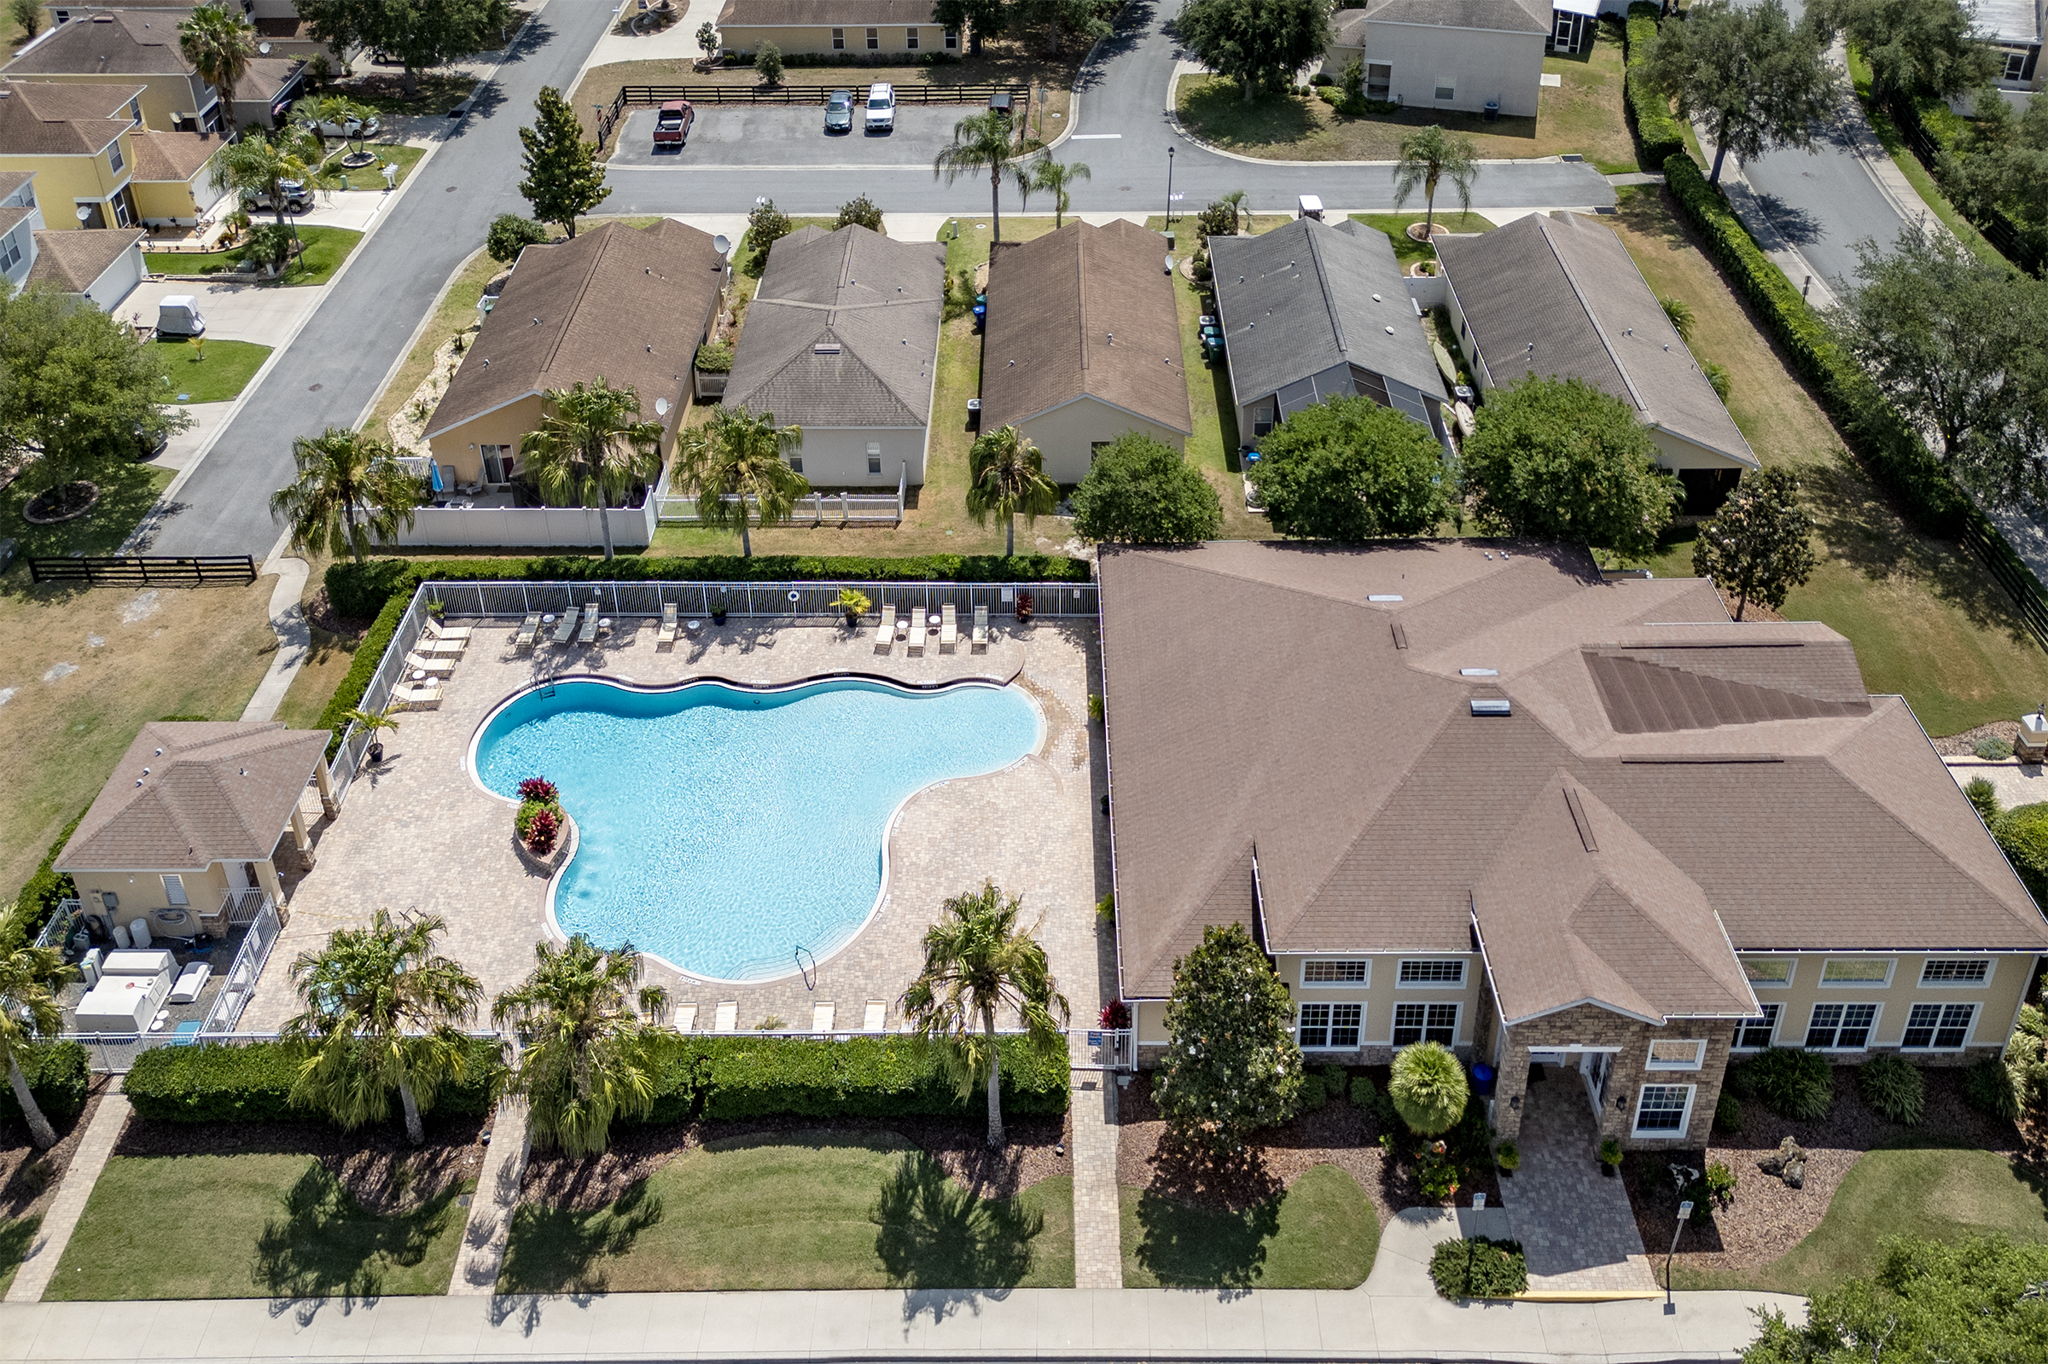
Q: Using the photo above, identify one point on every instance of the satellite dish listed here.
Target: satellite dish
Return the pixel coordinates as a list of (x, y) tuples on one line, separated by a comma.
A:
[(661, 407), (722, 244), (263, 48)]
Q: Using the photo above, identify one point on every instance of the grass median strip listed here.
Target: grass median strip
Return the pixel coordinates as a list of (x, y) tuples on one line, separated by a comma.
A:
[(325, 249)]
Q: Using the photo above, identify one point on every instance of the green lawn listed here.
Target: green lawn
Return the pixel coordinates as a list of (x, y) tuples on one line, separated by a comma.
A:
[(1936, 1193), (823, 1212), (326, 249), (332, 176), (212, 371), (1407, 250), (16, 1235), (378, 88), (1584, 115), (1321, 1233), (246, 1226)]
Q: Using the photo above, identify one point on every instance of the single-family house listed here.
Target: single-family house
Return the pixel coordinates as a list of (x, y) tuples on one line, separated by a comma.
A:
[(140, 47), (1477, 793), (1558, 295), (2013, 29), (1470, 55), (73, 138), (835, 27), (842, 340), (173, 182), (1083, 344), (188, 831), (628, 305), (20, 221), (1313, 311), (101, 265)]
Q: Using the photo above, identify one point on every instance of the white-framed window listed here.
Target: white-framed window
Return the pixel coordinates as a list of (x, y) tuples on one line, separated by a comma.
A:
[(1674, 1053), (1938, 1027), (1329, 1025), (10, 251), (1856, 971), (910, 40), (874, 464), (174, 889), (1334, 972), (2015, 66), (796, 464), (1446, 87), (874, 39), (839, 40), (1754, 1034), (114, 158), (952, 39), (1956, 971), (1431, 971), (1770, 971), (1379, 79), (1425, 1023), (1841, 1027), (1663, 1110)]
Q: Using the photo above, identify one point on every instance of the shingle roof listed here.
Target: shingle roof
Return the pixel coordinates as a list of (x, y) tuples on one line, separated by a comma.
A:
[(844, 331), (1558, 294), (113, 42), (189, 793), (171, 156), (623, 304), (62, 118), (266, 78), (73, 259), (11, 218), (1308, 296), (1332, 738), (1514, 16), (823, 13), (1084, 311), (12, 180)]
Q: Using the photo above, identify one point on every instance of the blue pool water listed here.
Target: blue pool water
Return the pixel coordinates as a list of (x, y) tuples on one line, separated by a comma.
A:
[(724, 828)]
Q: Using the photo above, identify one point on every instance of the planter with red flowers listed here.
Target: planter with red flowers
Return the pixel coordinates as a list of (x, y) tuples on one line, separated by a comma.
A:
[(541, 829)]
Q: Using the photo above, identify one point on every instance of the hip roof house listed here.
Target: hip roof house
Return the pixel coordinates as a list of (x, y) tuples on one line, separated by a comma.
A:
[(1454, 54), (1475, 793), (842, 340), (835, 26), (141, 47), (1084, 344)]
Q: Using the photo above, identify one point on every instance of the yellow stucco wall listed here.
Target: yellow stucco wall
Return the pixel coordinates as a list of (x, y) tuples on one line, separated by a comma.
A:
[(889, 38), (140, 894), (162, 96), (176, 199), (61, 181), (457, 447), (1997, 999)]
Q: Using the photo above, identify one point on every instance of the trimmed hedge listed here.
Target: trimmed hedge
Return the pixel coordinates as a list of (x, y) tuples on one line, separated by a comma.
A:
[(39, 894), (363, 666), (57, 1078), (1479, 1267), (859, 1077), (1658, 132), (253, 1083)]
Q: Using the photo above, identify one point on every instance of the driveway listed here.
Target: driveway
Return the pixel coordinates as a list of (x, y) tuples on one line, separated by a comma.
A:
[(791, 136), (234, 312)]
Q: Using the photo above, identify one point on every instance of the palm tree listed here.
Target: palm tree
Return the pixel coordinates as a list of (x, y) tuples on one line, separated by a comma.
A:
[(589, 1051), (350, 493), (1240, 210), (220, 44), (984, 142), (1426, 158), (977, 964), (1006, 478), (261, 162), (383, 1013), (592, 447), (1054, 177), (741, 455), (1680, 313), (28, 1012), (339, 110)]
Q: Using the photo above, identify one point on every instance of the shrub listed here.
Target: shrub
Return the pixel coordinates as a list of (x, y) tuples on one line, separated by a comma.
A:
[(1336, 1080), (1508, 1157), (1992, 750), (2022, 834), (510, 234), (45, 887), (1895, 1090), (863, 1077), (1115, 1015), (715, 357), (1794, 1084), (1364, 1092), (1428, 1088), (1988, 1087), (2026, 1059), (1315, 1092), (1727, 1113), (766, 225), (768, 64), (57, 1079), (1718, 378), (1479, 1267), (540, 789), (1610, 1153), (1436, 1172), (539, 827), (1708, 1190), (1658, 133), (253, 1083), (1984, 796), (860, 211)]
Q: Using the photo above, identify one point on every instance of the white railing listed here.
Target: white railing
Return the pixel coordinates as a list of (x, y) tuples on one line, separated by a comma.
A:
[(247, 970), (793, 602), (59, 926), (240, 907)]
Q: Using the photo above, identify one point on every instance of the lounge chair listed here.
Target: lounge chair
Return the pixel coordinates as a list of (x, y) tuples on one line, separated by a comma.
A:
[(665, 637), (439, 648), (978, 641), (917, 632), (566, 630), (529, 631), (949, 629), (439, 667), (190, 982), (885, 633), (588, 634), (417, 695), (455, 632)]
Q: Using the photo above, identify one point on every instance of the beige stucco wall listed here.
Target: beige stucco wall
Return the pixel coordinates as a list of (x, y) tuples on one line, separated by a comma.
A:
[(1065, 435), (837, 457), (457, 447), (1378, 996), (1998, 1000), (890, 37), (1481, 65), (141, 893)]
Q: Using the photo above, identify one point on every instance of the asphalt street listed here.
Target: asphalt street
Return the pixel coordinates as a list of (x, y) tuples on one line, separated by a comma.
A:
[(1824, 201), (332, 371)]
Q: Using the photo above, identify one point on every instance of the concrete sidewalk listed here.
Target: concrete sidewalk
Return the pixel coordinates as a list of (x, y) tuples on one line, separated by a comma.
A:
[(1120, 1324)]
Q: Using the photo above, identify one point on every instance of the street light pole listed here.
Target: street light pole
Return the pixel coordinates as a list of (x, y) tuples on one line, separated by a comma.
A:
[(1169, 188), (1684, 1213)]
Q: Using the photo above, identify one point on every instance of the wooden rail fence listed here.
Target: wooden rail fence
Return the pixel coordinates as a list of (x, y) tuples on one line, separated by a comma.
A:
[(145, 570)]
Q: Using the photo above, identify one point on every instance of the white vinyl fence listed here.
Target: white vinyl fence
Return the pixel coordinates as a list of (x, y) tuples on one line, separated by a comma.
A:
[(529, 527)]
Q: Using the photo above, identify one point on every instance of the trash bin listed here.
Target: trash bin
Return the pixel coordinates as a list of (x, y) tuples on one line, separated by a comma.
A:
[(1492, 110), (974, 414), (1482, 1079)]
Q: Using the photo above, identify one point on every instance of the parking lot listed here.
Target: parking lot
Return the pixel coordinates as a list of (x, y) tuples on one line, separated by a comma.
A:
[(792, 135)]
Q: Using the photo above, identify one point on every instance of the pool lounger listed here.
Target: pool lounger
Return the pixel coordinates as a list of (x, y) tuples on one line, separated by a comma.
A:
[(885, 633), (439, 667), (566, 631), (588, 634), (417, 696), (448, 634), (980, 636), (529, 631), (666, 635), (949, 629), (440, 648)]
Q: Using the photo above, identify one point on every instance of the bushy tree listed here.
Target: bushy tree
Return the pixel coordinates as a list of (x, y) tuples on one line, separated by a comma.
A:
[(1748, 74), (707, 39), (860, 211), (1428, 1088), (1142, 491), (27, 16), (1057, 23), (1557, 459), (421, 34), (1761, 545), (1260, 44), (510, 234), (2022, 834), (1930, 1302), (1349, 469), (1231, 1065), (1921, 49), (564, 177), (766, 225), (768, 64)]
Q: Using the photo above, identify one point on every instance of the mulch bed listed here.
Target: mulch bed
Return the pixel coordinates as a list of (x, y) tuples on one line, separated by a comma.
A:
[(377, 1165), (1768, 1217), (1339, 1134), (1964, 745), (29, 1177), (1038, 1148)]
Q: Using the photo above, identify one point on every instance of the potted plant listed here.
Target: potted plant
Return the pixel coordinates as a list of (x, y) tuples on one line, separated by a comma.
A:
[(1026, 605), (1610, 1156), (436, 607), (718, 610), (371, 722), (1507, 1158), (852, 604)]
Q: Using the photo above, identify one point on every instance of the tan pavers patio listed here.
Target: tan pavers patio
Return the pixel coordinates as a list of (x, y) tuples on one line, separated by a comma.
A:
[(1574, 1223), (418, 834)]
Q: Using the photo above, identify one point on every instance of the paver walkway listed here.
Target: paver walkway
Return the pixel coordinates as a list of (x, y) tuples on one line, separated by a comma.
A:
[(490, 1209), (1098, 1232), (294, 637), (1574, 1222), (69, 1203)]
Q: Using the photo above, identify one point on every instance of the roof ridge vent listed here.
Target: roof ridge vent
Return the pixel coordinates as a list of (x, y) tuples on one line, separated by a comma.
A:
[(1385, 596), (1580, 819)]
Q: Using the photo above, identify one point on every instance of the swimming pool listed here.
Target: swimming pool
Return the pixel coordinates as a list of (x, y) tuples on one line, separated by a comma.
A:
[(723, 828)]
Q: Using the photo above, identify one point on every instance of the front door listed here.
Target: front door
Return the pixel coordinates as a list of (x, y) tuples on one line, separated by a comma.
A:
[(1593, 1067)]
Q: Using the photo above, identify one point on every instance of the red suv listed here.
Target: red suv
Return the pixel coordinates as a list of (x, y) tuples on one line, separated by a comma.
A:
[(672, 124)]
